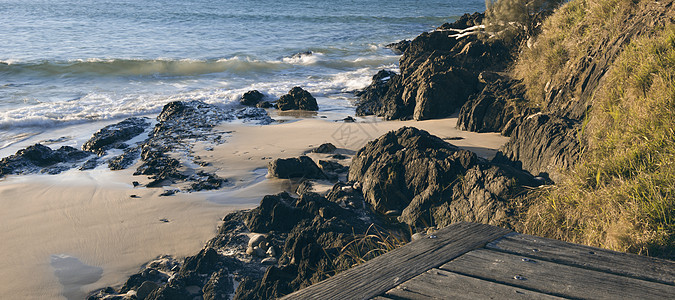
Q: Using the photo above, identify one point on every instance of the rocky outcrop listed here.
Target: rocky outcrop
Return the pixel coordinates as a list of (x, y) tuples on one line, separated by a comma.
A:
[(297, 98), (295, 167), (497, 108), (251, 98), (42, 159), (178, 123), (399, 47), (114, 136), (543, 145), (438, 73), (427, 179), (306, 236)]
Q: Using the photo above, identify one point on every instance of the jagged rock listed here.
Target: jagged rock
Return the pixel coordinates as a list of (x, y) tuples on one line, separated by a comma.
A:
[(145, 289), (331, 166), (438, 74), (219, 286), (497, 104), (41, 159), (370, 102), (325, 148), (543, 145), (296, 167), (251, 98), (297, 98), (305, 186), (417, 173), (114, 136), (399, 47), (125, 159)]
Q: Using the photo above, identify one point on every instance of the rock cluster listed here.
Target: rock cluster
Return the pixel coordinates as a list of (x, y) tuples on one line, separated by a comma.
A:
[(114, 136), (438, 73), (42, 159), (427, 179), (297, 98), (299, 237)]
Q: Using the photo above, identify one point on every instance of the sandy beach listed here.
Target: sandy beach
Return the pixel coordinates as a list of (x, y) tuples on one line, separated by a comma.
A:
[(54, 226)]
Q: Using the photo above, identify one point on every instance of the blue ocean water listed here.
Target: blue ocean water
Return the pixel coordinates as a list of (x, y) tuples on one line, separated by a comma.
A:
[(66, 61)]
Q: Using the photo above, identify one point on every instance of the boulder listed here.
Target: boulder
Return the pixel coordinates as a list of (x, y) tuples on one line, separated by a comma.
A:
[(296, 167), (251, 98), (325, 148), (114, 136), (424, 177), (299, 99)]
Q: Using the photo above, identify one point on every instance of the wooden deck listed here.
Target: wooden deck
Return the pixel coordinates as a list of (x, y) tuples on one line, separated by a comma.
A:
[(476, 261)]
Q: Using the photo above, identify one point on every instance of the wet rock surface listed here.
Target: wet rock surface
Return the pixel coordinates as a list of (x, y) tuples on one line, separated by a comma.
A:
[(39, 158), (297, 99), (251, 98), (167, 154), (114, 136), (426, 178), (399, 47)]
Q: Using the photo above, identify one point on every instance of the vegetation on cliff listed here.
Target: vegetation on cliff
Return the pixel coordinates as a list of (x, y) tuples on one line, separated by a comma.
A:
[(621, 193)]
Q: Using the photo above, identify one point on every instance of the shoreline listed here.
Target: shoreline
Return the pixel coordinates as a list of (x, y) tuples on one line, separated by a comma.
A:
[(89, 215)]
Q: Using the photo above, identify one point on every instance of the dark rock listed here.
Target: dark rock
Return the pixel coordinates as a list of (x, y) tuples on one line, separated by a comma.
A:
[(426, 178), (297, 98), (339, 156), (274, 213), (296, 167), (169, 193), (89, 164), (305, 186), (325, 148), (181, 124), (264, 104), (125, 159), (219, 286), (349, 119), (251, 98), (399, 47), (491, 111), (543, 145), (331, 166), (438, 74), (114, 136), (145, 289), (41, 159), (370, 102)]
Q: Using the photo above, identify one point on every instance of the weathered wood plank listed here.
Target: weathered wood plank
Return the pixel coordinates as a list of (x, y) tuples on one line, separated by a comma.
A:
[(380, 298), (441, 284), (555, 279), (385, 272), (636, 266)]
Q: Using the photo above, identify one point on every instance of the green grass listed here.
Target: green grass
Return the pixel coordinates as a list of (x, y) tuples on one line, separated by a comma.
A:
[(621, 195)]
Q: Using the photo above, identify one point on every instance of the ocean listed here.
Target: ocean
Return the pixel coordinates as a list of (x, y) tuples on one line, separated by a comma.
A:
[(77, 62)]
